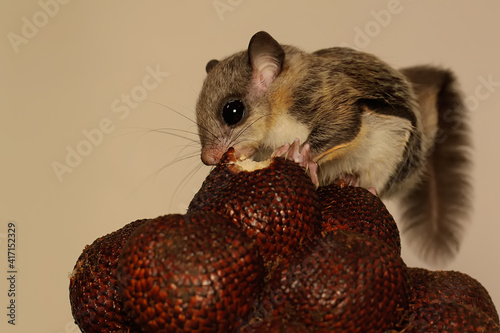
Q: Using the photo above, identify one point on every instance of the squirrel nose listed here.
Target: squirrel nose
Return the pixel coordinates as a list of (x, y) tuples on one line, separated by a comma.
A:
[(210, 157)]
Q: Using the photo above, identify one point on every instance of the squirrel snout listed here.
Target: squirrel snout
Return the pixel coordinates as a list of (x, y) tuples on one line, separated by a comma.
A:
[(211, 156)]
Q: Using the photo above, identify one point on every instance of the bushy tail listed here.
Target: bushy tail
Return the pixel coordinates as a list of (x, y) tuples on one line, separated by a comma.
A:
[(436, 211)]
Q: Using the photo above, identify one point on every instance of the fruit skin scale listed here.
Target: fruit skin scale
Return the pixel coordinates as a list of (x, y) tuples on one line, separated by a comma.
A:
[(356, 209), (277, 205), (339, 282), (450, 301), (201, 272), (96, 303), (453, 317)]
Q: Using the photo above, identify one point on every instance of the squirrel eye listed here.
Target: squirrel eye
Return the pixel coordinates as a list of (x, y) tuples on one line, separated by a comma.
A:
[(233, 111)]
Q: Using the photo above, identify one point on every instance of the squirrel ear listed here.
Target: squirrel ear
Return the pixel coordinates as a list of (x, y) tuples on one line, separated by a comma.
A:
[(266, 56), (211, 65)]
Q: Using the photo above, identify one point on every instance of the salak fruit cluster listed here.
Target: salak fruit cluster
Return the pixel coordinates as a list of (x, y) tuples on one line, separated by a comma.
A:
[(262, 250)]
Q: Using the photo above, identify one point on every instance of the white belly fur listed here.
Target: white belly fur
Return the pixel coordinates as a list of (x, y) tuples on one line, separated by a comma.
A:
[(378, 150), (285, 129)]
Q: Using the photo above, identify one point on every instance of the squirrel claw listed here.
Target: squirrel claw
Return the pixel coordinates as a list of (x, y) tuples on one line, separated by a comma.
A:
[(352, 180)]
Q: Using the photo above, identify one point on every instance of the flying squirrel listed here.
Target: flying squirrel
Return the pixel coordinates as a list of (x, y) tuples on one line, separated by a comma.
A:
[(403, 133)]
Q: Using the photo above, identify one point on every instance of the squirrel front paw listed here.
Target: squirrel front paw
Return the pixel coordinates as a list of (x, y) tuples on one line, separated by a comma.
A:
[(300, 155)]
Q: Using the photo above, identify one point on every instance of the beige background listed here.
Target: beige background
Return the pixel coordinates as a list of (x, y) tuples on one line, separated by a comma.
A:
[(65, 73)]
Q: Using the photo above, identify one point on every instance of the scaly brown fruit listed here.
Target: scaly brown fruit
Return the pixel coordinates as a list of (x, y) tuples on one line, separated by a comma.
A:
[(95, 301), (450, 317), (275, 326), (344, 282), (345, 207), (274, 201), (189, 273), (449, 287)]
